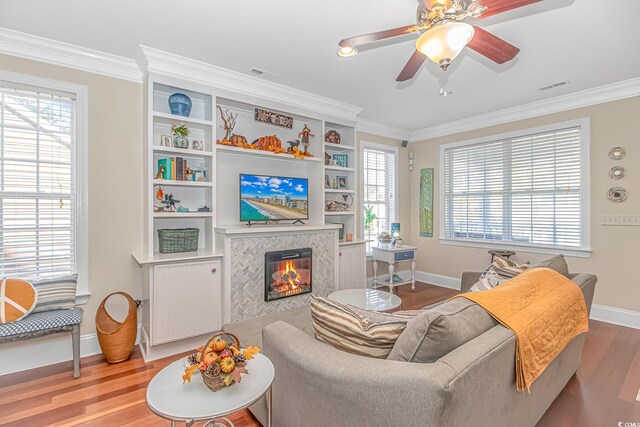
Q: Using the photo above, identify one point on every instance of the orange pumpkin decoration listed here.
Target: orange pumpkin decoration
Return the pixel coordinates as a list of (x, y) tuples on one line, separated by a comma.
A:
[(219, 345), (227, 365), (210, 358)]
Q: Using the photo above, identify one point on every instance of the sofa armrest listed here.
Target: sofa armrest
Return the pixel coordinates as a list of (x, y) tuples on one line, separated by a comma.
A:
[(469, 278), (318, 385)]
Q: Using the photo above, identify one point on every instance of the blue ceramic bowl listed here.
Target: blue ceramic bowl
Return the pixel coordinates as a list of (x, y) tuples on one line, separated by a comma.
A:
[(180, 104)]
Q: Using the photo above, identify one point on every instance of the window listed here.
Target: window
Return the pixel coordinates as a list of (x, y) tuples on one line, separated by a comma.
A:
[(528, 189), (379, 195), (42, 224)]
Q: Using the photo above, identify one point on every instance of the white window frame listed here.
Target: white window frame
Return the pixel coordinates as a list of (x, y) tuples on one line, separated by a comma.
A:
[(81, 143), (585, 250), (382, 147)]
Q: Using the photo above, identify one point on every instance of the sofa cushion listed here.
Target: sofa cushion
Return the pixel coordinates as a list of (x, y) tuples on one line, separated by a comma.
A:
[(355, 331), (437, 331), (557, 263), (501, 270)]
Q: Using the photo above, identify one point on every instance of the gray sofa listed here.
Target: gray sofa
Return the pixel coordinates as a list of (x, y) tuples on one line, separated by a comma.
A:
[(317, 385)]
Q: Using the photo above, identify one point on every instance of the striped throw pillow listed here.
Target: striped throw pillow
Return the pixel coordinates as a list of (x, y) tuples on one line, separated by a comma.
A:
[(501, 270), (56, 294), (354, 330)]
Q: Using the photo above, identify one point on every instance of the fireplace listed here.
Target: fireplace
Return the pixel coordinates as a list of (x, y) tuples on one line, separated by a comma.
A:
[(287, 273)]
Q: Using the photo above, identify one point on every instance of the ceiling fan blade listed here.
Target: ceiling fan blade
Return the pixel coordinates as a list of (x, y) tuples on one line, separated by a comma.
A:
[(492, 47), (498, 6), (380, 35), (412, 67)]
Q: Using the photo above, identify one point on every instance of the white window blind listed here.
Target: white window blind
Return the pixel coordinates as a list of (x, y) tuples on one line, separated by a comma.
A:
[(37, 182), (379, 170), (526, 190)]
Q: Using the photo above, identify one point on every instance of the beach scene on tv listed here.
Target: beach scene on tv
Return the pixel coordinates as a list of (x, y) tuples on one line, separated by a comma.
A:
[(265, 198)]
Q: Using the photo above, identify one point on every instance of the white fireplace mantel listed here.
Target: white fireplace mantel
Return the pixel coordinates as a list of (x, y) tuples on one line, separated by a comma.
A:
[(273, 228)]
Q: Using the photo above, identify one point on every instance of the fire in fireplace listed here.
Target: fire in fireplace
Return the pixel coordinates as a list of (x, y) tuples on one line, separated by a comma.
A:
[(287, 273)]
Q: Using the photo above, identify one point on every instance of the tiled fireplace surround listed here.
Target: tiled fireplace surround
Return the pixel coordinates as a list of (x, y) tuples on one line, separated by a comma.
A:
[(244, 259)]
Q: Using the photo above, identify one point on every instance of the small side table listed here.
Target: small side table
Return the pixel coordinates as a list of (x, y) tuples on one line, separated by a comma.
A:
[(168, 398), (503, 253), (391, 255)]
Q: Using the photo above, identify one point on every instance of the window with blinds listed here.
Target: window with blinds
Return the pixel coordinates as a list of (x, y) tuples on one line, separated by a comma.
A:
[(523, 190), (37, 185), (379, 195)]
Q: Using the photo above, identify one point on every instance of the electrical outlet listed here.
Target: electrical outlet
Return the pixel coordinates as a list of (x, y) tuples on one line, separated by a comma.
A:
[(610, 220)]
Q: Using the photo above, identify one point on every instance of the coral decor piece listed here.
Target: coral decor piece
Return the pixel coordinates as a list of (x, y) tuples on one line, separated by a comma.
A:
[(220, 363), (228, 122)]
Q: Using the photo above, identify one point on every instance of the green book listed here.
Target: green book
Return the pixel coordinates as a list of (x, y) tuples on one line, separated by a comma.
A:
[(166, 163)]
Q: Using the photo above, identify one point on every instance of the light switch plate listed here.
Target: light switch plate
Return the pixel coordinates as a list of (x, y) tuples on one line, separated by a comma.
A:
[(621, 220)]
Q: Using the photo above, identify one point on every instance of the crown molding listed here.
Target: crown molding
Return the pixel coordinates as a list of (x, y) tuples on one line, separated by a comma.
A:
[(584, 98), (41, 49), (381, 129), (152, 60)]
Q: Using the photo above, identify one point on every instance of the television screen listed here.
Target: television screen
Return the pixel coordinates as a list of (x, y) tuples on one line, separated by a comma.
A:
[(267, 198)]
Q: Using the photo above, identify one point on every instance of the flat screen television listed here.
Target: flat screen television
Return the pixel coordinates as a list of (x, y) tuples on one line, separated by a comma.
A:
[(273, 198)]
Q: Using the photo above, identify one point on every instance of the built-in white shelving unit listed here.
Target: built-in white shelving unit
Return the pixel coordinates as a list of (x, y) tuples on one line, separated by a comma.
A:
[(340, 178)]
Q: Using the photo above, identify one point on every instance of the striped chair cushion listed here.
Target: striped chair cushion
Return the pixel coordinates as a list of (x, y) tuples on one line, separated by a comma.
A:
[(501, 270), (354, 330), (56, 294)]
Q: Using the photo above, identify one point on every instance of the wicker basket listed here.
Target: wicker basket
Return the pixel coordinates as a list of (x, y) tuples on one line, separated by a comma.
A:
[(172, 240), (216, 383), (117, 339)]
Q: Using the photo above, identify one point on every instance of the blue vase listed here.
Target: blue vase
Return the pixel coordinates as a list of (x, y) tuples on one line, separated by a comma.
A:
[(180, 104)]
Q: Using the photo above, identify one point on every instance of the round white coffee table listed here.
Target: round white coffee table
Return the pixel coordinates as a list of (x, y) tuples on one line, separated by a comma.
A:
[(367, 299), (191, 402)]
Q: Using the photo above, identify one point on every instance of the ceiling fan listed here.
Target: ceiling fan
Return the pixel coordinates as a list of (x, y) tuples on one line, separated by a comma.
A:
[(443, 34)]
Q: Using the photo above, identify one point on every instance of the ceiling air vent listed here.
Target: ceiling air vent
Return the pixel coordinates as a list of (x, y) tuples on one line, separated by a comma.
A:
[(262, 73), (556, 85)]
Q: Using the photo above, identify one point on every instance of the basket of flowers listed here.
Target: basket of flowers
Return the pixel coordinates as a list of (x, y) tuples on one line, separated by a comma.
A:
[(221, 361)]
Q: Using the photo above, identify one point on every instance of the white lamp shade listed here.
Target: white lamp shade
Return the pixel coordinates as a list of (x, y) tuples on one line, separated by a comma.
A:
[(445, 41)]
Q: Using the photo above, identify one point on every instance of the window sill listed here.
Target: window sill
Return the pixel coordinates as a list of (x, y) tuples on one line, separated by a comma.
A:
[(578, 253), (82, 298)]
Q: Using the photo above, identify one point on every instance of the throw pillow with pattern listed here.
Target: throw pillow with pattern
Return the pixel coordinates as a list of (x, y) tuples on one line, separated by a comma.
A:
[(501, 270)]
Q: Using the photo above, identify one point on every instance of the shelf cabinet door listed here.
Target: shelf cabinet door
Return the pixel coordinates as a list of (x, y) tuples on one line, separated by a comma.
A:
[(352, 267), (186, 301)]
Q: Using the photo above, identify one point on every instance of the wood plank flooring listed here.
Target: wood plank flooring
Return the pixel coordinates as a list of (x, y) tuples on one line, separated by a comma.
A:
[(603, 393)]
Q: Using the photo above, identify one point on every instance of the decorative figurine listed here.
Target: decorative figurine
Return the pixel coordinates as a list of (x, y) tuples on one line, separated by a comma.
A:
[(332, 136), (205, 208), (305, 134), (293, 144), (182, 209), (169, 203), (229, 122), (160, 173)]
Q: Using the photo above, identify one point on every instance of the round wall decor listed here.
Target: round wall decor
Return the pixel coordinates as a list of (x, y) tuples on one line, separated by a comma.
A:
[(617, 153), (617, 194), (617, 172)]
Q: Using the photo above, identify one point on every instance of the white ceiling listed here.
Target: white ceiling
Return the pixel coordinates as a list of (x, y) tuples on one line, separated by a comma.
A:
[(576, 40)]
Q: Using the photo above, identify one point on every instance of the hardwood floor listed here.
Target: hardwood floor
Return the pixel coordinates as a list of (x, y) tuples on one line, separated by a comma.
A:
[(602, 394)]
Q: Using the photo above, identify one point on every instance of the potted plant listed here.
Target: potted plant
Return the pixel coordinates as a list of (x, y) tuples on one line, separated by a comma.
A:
[(180, 134)]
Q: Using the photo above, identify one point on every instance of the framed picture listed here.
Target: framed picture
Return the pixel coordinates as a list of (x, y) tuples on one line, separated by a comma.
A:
[(165, 141), (197, 144), (341, 160), (327, 183), (342, 182)]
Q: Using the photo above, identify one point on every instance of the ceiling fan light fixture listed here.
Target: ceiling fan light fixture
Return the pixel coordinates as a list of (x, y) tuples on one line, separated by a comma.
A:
[(444, 42), (346, 52), (439, 4)]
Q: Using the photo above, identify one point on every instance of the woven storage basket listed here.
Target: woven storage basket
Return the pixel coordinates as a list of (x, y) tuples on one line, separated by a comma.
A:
[(173, 240), (117, 339), (216, 383)]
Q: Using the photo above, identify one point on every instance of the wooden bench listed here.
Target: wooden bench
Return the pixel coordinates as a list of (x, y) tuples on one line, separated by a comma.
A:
[(44, 323)]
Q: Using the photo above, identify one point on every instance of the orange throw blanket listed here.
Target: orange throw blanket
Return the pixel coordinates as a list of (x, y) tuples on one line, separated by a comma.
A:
[(544, 309)]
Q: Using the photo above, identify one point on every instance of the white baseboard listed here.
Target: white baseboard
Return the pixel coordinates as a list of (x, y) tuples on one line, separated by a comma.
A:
[(425, 277), (617, 316), (34, 353)]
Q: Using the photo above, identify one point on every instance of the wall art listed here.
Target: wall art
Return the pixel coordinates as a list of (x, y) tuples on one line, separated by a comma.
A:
[(273, 118), (426, 202)]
